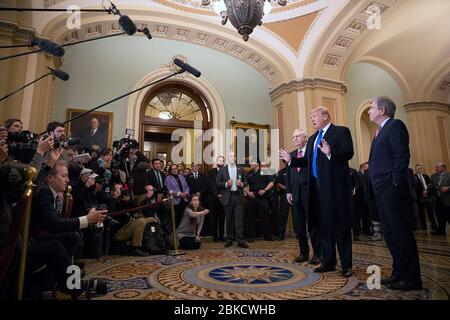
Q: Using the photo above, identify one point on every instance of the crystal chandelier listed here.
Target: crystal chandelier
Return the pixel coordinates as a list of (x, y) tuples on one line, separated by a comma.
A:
[(244, 15)]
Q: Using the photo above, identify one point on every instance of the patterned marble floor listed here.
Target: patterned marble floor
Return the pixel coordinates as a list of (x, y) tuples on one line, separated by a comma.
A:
[(266, 271)]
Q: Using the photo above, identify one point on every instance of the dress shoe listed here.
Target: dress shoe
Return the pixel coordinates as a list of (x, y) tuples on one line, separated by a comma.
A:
[(314, 260), (322, 269), (242, 244), (301, 258), (228, 243), (251, 240), (391, 279), (138, 252), (268, 239), (346, 272), (405, 285)]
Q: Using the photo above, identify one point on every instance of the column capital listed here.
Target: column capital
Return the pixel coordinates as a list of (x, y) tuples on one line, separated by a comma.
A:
[(426, 106), (307, 83), (10, 30)]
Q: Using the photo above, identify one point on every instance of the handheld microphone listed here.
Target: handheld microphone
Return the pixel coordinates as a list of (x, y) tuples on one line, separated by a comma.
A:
[(187, 67), (59, 74), (127, 25), (48, 46)]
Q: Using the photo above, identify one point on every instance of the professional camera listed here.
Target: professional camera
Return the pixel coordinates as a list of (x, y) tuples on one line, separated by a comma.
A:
[(22, 145), (128, 144), (109, 221)]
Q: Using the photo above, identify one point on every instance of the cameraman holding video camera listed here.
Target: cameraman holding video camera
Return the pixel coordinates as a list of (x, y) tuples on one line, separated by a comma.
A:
[(135, 165)]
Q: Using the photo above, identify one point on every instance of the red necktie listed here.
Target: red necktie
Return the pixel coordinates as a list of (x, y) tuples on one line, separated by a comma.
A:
[(377, 132), (299, 155)]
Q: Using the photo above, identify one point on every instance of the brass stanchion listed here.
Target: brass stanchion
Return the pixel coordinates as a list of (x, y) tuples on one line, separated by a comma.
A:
[(31, 174), (68, 202), (175, 252)]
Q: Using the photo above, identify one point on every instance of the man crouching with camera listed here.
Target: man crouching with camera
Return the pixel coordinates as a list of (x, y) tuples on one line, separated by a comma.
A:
[(131, 226), (47, 219)]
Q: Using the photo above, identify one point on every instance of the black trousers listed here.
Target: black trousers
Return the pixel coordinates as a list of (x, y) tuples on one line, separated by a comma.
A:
[(189, 243), (299, 220), (397, 225), (443, 216), (343, 240), (234, 213), (179, 211), (258, 207), (218, 219), (52, 253), (72, 242), (283, 214), (430, 214)]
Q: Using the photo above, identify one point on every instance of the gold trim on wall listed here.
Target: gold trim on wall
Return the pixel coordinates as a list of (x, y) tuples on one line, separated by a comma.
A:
[(70, 114), (250, 125)]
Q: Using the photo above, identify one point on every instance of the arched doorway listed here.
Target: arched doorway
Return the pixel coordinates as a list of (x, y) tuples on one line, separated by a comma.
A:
[(365, 131), (167, 107)]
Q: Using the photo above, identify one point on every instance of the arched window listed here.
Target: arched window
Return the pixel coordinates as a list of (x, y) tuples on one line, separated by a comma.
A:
[(175, 104)]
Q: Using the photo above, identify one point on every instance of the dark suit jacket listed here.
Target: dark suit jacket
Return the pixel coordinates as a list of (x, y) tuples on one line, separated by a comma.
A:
[(44, 218), (198, 185), (154, 181), (212, 185), (389, 157), (223, 177), (418, 186), (334, 180), (297, 182), (100, 138)]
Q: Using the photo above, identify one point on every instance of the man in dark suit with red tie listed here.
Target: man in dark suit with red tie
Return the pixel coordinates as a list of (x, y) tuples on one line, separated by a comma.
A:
[(388, 170), (296, 194), (329, 195)]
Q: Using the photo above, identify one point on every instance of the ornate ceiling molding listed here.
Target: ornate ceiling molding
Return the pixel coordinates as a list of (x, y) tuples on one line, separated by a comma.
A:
[(195, 6), (307, 83), (184, 33), (13, 31)]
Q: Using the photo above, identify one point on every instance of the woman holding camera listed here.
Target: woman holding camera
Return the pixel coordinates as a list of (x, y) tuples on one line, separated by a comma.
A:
[(188, 232)]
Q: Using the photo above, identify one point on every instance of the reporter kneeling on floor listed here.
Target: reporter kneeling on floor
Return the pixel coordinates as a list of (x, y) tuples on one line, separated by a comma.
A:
[(131, 226), (188, 232)]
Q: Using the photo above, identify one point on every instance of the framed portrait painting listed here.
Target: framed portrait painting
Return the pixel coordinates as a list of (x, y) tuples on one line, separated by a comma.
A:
[(95, 128), (251, 142)]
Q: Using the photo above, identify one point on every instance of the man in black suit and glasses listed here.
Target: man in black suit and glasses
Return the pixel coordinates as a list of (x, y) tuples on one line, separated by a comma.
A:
[(388, 163), (296, 194), (327, 154)]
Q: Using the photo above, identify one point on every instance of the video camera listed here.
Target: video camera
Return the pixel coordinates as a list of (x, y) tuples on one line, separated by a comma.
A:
[(127, 144), (22, 145)]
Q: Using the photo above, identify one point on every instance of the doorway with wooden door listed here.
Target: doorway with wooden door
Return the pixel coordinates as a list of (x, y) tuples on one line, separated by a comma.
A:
[(167, 107)]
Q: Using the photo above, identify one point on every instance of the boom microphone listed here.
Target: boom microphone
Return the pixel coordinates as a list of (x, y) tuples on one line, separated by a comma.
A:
[(187, 67), (48, 46), (127, 25), (59, 74)]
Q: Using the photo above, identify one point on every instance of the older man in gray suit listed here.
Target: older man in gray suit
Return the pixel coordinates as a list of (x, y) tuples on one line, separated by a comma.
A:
[(440, 181)]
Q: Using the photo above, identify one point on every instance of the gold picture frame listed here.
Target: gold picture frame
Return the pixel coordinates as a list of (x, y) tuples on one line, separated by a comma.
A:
[(261, 130), (80, 127)]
